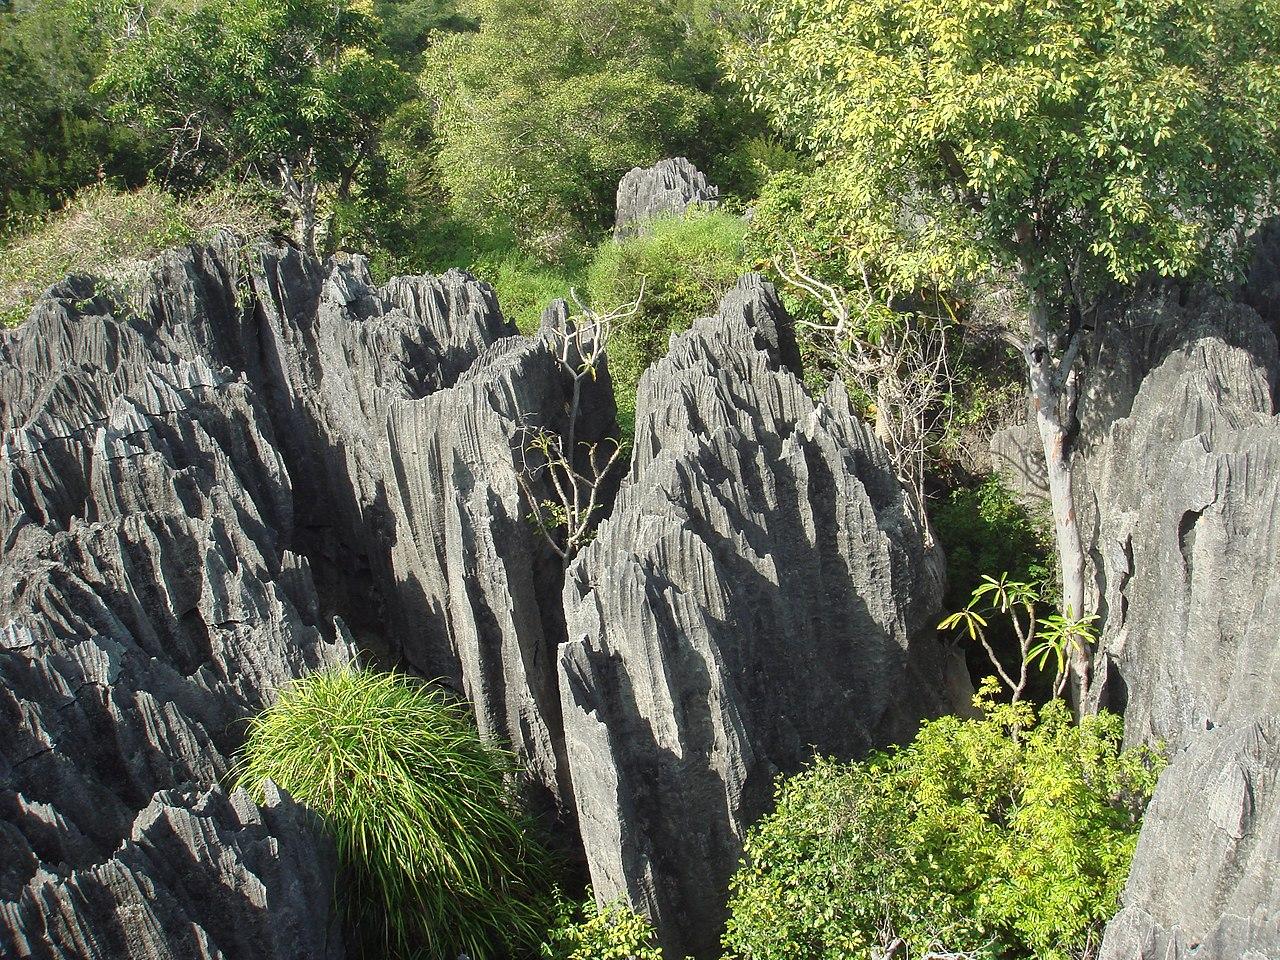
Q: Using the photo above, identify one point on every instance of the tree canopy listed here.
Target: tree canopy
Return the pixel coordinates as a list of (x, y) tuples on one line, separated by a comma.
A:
[(294, 89), (1096, 139)]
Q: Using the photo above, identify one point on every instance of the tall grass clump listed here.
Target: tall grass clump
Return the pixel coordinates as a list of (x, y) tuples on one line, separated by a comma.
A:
[(110, 234), (438, 858)]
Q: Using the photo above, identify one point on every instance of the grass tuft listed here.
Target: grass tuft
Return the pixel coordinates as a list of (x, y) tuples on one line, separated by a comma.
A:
[(438, 858)]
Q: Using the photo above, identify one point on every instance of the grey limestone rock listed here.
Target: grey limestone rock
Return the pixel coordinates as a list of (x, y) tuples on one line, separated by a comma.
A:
[(1181, 508), (1182, 525), (1203, 882), (201, 874), (176, 476), (150, 603), (481, 584), (754, 597), (668, 188)]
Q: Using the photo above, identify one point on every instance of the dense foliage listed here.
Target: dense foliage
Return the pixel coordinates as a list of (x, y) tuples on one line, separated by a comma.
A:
[(438, 858), (983, 529), (1098, 138), (293, 89), (593, 932), (53, 139), (540, 112), (1007, 836), (686, 265)]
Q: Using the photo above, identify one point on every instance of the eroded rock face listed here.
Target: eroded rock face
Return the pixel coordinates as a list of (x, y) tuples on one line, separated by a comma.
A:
[(753, 598), (1203, 882), (173, 473), (1182, 519), (204, 875), (1183, 531), (667, 188), (150, 604), (479, 580)]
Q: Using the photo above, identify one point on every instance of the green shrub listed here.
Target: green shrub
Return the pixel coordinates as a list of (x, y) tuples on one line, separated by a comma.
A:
[(437, 856), (111, 234), (592, 932), (1003, 837), (687, 264), (985, 529)]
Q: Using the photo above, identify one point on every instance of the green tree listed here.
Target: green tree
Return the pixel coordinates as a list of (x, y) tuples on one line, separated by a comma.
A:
[(1067, 145), (1006, 837), (540, 112), (294, 90)]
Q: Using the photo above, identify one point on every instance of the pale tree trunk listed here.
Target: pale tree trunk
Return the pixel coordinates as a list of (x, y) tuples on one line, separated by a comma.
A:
[(302, 192), (1050, 384)]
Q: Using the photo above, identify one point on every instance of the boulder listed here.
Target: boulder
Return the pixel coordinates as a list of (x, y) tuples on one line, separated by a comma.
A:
[(668, 188), (760, 593)]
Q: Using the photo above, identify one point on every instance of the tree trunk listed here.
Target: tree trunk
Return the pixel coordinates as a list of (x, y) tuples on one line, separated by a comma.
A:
[(1047, 381), (301, 192)]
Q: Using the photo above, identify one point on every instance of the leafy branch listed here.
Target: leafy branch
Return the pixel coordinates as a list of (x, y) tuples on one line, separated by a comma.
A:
[(1039, 638)]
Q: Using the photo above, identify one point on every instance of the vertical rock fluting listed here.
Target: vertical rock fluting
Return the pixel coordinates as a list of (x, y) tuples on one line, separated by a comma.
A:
[(752, 599), (174, 471), (336, 354), (668, 188), (476, 577), (150, 604), (1183, 531), (1185, 549)]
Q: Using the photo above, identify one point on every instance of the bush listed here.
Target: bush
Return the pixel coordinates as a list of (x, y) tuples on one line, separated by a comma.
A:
[(687, 264), (592, 932), (111, 234), (437, 856), (984, 529), (1005, 837)]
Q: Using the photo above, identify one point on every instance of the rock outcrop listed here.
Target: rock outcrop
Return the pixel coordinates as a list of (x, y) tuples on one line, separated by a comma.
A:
[(195, 485), (1203, 881), (753, 598), (150, 604), (668, 188), (475, 576), (1181, 508), (1181, 513), (201, 876)]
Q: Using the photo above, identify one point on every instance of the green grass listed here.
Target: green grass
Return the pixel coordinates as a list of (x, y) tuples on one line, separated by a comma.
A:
[(438, 857), (111, 234)]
